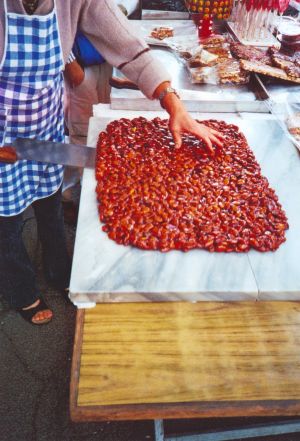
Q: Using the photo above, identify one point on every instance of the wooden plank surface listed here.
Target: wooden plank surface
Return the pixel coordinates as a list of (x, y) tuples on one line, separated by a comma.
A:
[(170, 360)]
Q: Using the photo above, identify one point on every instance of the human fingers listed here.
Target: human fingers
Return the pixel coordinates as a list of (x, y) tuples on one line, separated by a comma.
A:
[(202, 132), (217, 134), (206, 132), (209, 145), (217, 141), (214, 135), (176, 137)]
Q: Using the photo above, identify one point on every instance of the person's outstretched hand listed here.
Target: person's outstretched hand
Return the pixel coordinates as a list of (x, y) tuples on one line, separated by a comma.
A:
[(181, 122)]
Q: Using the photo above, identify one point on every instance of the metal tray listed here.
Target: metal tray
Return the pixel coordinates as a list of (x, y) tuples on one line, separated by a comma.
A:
[(280, 91)]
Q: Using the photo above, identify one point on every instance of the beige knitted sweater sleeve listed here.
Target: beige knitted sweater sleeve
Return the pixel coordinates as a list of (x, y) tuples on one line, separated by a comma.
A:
[(109, 31), (120, 46)]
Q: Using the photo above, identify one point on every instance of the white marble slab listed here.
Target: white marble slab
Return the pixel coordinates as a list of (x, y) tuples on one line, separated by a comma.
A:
[(106, 272), (278, 274)]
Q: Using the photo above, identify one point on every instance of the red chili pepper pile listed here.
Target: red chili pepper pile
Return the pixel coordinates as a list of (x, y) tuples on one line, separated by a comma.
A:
[(156, 197)]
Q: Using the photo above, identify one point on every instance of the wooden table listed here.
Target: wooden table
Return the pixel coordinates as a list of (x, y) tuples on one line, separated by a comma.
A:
[(182, 360)]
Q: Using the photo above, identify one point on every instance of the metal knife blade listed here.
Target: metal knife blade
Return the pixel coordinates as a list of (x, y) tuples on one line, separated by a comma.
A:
[(54, 152)]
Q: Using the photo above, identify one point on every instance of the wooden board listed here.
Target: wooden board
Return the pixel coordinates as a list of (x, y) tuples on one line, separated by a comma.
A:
[(182, 360)]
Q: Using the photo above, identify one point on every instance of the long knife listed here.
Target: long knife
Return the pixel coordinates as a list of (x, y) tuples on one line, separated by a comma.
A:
[(50, 152)]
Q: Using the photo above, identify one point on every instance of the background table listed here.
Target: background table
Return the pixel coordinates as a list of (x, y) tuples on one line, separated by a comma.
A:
[(197, 97)]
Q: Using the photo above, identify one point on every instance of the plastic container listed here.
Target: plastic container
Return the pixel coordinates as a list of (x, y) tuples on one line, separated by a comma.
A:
[(290, 48), (289, 31)]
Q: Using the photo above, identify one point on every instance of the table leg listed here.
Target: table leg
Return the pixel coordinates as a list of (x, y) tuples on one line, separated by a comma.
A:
[(159, 430), (237, 434)]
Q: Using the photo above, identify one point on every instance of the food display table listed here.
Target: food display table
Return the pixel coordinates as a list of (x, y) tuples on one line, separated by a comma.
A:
[(282, 99), (106, 272), (257, 96), (197, 97)]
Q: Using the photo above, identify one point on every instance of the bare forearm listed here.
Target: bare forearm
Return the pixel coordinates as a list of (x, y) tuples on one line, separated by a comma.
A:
[(170, 101)]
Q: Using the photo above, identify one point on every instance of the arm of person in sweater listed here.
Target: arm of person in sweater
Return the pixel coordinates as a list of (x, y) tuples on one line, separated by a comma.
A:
[(115, 38)]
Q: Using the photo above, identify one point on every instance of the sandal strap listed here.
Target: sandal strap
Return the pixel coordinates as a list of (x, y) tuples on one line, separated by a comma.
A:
[(28, 314)]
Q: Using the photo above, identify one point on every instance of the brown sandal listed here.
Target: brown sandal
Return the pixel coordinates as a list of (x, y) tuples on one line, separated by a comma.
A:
[(28, 314)]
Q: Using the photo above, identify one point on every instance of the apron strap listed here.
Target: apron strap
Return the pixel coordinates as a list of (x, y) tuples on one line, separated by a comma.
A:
[(5, 35)]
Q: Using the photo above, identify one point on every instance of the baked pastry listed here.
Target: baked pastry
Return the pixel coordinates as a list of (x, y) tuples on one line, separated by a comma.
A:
[(231, 72), (282, 61), (213, 41), (204, 58), (243, 52), (295, 131), (293, 71), (272, 50), (221, 51), (293, 125), (207, 75), (264, 69), (162, 32)]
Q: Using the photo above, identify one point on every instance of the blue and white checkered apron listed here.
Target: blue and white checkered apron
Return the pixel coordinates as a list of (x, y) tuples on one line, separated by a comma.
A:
[(31, 105)]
